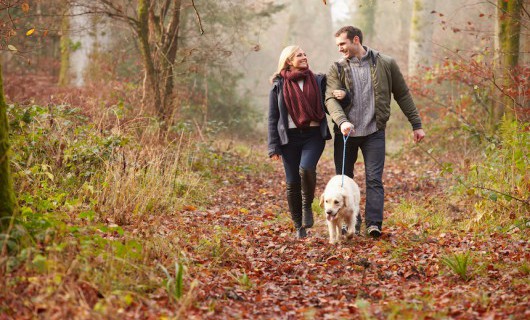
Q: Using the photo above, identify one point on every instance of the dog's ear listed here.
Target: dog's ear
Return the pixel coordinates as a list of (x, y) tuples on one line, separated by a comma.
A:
[(345, 203), (321, 203)]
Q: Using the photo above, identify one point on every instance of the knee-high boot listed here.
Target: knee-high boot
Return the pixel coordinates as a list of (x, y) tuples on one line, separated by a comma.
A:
[(294, 198), (309, 182)]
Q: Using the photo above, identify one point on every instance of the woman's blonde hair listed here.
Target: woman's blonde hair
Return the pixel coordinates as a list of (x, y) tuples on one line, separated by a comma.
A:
[(287, 54)]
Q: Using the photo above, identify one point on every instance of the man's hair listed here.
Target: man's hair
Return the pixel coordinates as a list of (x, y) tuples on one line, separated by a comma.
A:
[(351, 32)]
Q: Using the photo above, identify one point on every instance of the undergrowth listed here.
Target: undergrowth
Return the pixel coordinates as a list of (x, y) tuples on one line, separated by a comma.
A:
[(485, 188), (89, 192)]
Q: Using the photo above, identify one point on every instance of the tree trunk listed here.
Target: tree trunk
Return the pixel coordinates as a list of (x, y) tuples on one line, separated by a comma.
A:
[(64, 72), (310, 17), (422, 26), (159, 45), (405, 14), (169, 52), (151, 90), (365, 20), (7, 195), (508, 32)]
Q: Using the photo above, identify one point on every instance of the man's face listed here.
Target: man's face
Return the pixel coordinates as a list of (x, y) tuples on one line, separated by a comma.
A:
[(346, 46)]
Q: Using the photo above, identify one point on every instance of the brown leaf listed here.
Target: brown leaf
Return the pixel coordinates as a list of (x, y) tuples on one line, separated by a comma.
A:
[(25, 7)]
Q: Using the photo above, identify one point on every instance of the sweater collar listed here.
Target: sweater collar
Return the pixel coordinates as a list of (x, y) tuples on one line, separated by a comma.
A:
[(371, 54)]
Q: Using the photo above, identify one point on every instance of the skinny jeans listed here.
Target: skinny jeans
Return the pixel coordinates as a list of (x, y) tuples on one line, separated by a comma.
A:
[(373, 149), (303, 150)]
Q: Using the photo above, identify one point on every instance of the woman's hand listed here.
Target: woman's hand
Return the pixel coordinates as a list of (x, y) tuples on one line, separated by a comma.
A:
[(276, 157), (339, 94)]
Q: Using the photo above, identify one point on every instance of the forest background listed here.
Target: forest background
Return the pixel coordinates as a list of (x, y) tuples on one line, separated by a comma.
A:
[(134, 180)]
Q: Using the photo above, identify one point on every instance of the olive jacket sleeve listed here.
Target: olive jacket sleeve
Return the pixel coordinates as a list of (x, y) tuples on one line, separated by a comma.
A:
[(333, 105)]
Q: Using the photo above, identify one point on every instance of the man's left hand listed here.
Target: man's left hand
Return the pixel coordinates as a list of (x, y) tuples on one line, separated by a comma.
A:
[(419, 134)]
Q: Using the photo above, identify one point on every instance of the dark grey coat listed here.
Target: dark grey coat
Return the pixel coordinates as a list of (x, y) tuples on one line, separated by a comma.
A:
[(278, 115)]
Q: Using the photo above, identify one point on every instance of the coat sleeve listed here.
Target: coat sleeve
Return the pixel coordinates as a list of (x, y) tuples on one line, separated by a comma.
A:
[(333, 107), (345, 102), (402, 95), (274, 117)]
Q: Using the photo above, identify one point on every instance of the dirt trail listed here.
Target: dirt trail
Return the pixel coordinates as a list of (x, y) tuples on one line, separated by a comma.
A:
[(397, 275)]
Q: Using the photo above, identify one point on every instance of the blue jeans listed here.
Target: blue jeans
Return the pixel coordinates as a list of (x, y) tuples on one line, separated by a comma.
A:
[(303, 151), (373, 149)]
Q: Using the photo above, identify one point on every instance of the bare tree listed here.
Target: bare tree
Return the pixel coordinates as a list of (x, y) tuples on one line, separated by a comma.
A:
[(7, 195), (311, 19), (365, 18), (507, 40), (156, 24), (422, 26), (64, 72)]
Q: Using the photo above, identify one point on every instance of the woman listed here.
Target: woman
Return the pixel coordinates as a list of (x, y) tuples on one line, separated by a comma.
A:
[(297, 130)]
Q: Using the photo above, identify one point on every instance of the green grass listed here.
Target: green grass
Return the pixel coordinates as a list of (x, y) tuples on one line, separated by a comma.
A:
[(412, 213), (415, 308), (459, 264)]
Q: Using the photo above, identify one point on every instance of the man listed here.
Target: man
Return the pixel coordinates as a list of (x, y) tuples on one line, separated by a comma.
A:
[(368, 78)]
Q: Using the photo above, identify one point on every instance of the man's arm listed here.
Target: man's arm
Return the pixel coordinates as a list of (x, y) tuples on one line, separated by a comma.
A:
[(402, 95), (333, 106)]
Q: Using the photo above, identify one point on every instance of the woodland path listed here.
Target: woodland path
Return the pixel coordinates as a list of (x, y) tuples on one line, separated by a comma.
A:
[(261, 272)]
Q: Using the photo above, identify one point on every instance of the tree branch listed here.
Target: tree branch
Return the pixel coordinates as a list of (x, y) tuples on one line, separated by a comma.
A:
[(527, 202), (198, 17)]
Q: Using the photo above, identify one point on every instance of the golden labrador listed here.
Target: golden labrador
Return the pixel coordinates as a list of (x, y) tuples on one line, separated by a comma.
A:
[(341, 205)]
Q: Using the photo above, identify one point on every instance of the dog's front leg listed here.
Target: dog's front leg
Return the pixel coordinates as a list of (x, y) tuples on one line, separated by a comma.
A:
[(332, 233), (351, 222), (338, 232)]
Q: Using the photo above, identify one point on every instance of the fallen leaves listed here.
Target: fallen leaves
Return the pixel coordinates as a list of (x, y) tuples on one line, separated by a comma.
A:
[(246, 230)]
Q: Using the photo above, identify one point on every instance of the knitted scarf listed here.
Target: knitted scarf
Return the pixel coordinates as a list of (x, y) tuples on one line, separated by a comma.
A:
[(303, 106)]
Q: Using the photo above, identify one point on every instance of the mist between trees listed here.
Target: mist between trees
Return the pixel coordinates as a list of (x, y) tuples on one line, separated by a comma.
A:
[(212, 60)]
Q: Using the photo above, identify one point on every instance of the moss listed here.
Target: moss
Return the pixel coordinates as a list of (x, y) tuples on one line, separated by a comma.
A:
[(64, 78), (7, 195), (509, 30)]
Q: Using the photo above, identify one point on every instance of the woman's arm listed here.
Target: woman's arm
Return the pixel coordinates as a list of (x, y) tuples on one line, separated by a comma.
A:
[(274, 116)]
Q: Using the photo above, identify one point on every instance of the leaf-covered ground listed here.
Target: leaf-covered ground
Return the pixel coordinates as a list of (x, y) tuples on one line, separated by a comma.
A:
[(243, 262), (252, 267)]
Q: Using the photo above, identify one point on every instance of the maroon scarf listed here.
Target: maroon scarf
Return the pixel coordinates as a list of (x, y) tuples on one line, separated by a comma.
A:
[(303, 106)]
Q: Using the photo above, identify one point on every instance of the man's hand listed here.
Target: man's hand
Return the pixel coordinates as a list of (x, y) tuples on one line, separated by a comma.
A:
[(276, 157), (346, 128), (419, 134)]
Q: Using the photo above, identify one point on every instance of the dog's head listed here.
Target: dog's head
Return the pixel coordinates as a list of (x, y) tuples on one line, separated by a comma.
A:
[(332, 202)]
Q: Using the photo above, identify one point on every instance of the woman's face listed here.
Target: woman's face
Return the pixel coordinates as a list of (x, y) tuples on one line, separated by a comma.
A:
[(298, 61)]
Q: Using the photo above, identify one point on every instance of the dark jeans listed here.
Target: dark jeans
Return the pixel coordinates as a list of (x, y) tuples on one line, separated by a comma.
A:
[(373, 149), (303, 151)]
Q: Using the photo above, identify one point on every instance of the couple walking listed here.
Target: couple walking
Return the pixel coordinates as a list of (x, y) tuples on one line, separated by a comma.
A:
[(356, 94)]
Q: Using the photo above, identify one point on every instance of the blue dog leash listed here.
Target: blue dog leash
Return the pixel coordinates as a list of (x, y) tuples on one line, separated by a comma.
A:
[(344, 138)]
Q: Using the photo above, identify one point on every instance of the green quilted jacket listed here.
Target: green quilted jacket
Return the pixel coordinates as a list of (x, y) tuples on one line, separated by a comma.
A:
[(387, 80)]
